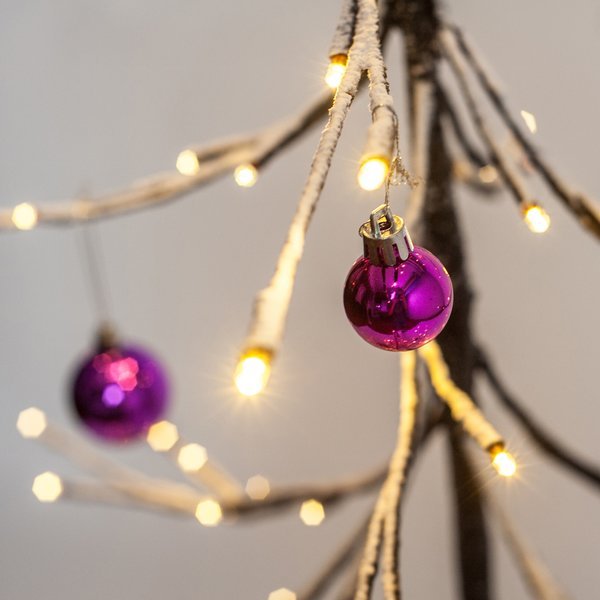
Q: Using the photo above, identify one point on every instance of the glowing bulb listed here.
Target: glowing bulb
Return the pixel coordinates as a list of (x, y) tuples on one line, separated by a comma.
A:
[(245, 175), (504, 462), (47, 487), (530, 120), (312, 513), (336, 70), (282, 594), (162, 436), (192, 457), (252, 373), (31, 422), (373, 172), (488, 174), (24, 216), (536, 218), (187, 162), (209, 513), (258, 487)]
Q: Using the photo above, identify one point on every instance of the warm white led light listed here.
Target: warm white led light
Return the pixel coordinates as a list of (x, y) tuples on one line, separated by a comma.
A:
[(536, 218), (372, 173), (31, 422), (162, 436), (192, 457), (24, 216), (209, 513), (47, 487), (245, 175), (187, 162)]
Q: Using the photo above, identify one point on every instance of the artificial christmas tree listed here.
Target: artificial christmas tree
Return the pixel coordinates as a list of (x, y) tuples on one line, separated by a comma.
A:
[(437, 382)]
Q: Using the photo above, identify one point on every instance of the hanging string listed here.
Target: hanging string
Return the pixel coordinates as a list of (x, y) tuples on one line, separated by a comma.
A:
[(94, 272), (397, 174)]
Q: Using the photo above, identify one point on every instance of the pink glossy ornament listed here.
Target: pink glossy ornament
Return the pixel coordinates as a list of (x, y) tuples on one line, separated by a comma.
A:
[(397, 296)]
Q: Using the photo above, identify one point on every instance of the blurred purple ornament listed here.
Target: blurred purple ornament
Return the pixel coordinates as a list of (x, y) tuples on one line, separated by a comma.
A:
[(397, 296), (119, 392)]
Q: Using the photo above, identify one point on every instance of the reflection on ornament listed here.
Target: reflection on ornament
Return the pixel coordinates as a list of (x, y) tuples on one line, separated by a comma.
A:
[(397, 296)]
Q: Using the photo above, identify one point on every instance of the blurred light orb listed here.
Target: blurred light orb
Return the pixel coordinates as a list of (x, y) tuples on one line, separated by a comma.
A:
[(24, 216), (47, 487), (187, 162), (245, 175), (312, 513), (209, 513), (162, 436), (282, 594), (192, 457), (536, 218), (258, 487), (31, 422)]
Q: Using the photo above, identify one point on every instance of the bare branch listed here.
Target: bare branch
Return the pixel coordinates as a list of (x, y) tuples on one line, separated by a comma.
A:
[(553, 448), (585, 210), (449, 110), (215, 160), (337, 564), (535, 573), (397, 477), (510, 176)]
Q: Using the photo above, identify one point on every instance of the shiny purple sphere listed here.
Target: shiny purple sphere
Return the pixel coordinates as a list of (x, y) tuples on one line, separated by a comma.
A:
[(119, 393), (401, 307)]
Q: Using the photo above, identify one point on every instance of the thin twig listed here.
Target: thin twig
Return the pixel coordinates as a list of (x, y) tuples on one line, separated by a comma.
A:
[(385, 518), (397, 477), (536, 575), (211, 475), (448, 108), (99, 493), (510, 176), (328, 494), (343, 556), (420, 120), (585, 210), (553, 448)]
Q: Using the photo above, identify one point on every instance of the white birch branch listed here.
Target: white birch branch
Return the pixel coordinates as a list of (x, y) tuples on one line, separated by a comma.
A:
[(462, 409), (272, 303), (215, 160), (397, 477), (384, 520)]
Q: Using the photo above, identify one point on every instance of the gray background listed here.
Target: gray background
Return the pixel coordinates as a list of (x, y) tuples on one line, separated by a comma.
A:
[(94, 95)]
